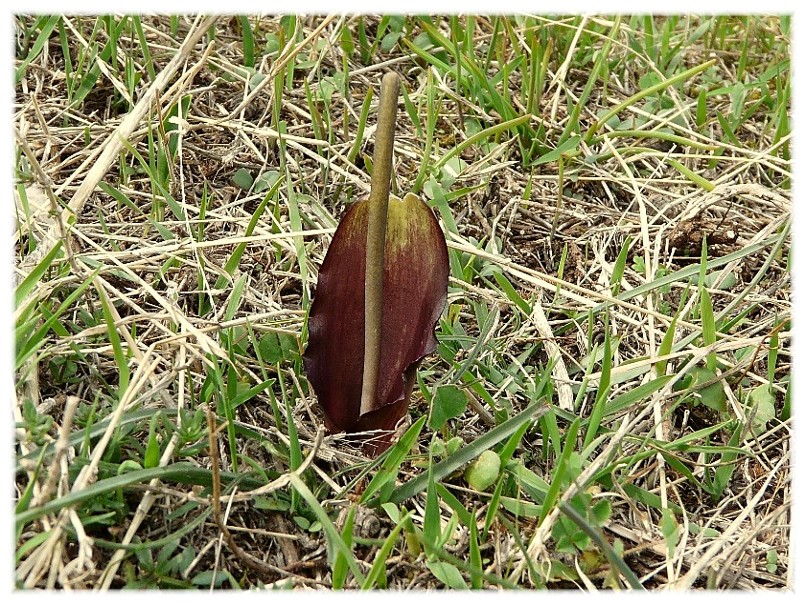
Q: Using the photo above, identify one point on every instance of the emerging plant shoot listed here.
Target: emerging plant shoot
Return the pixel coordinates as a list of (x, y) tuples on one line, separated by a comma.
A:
[(381, 289)]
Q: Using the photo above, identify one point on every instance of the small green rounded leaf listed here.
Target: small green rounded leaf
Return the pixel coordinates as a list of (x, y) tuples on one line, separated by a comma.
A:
[(448, 402), (711, 395), (438, 448), (600, 512), (762, 399), (447, 574), (270, 348), (243, 179), (266, 180), (272, 44), (771, 561), (390, 40)]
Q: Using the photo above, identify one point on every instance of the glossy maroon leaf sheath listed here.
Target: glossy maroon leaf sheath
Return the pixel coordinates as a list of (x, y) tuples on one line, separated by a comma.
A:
[(415, 274)]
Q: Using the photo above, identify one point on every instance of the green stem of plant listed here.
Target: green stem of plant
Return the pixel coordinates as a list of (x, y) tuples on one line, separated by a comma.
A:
[(561, 182), (376, 237)]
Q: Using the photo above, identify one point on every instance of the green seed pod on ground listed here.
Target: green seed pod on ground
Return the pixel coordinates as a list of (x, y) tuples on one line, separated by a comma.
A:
[(483, 472)]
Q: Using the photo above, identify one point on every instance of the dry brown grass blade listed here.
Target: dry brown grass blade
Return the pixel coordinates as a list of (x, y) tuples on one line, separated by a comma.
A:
[(47, 556), (266, 570), (696, 570), (115, 143)]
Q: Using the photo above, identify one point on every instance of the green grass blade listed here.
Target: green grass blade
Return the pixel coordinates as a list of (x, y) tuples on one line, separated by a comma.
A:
[(567, 147), (364, 116), (558, 478), (480, 136), (681, 77), (696, 179), (248, 40), (431, 524), (708, 327), (395, 456), (293, 437), (664, 136), (684, 274), (337, 544), (182, 472), (511, 293), (666, 346), (452, 501), (601, 60), (619, 267), (340, 564), (234, 260), (494, 505), (634, 395), (378, 569), (46, 26), (476, 579), (604, 383), (28, 343), (149, 63), (727, 466), (31, 280), (120, 197), (114, 339)]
